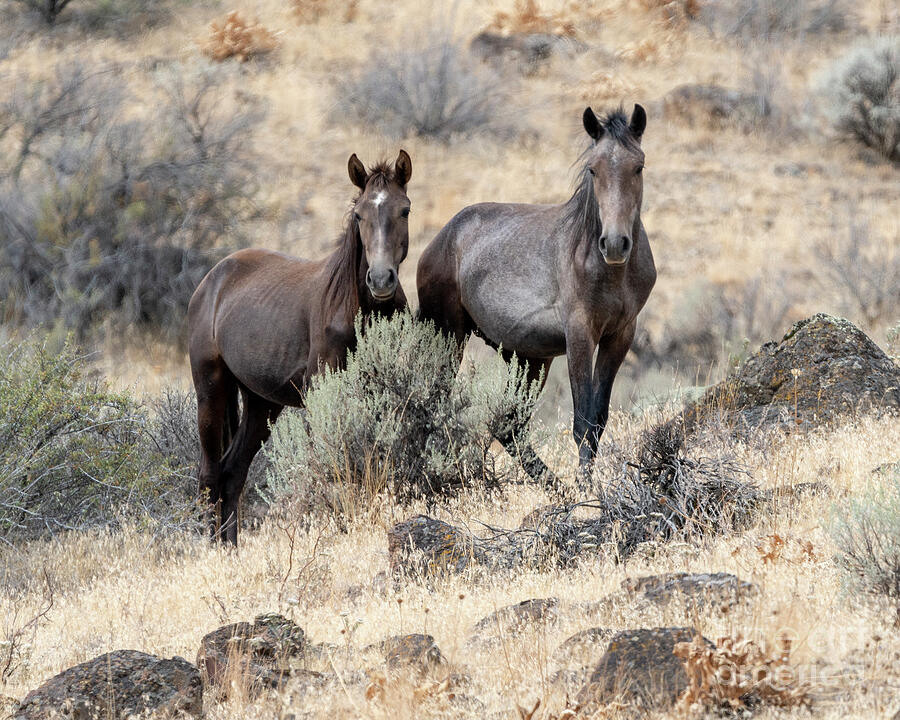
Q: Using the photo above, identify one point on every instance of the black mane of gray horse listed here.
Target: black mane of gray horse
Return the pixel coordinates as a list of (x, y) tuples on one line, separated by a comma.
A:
[(542, 281)]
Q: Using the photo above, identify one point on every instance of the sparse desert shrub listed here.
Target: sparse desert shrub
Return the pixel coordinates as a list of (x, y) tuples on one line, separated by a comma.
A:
[(399, 417), (436, 90), (772, 20), (865, 270), (48, 9), (862, 95), (74, 454), (866, 532), (114, 219), (237, 37)]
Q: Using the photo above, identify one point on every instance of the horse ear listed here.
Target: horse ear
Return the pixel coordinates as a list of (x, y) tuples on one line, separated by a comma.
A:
[(357, 172), (403, 168), (638, 121), (592, 124)]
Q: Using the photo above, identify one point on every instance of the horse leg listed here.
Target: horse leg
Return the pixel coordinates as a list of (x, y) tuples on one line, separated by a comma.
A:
[(252, 432), (579, 354), (214, 386), (517, 445), (610, 355)]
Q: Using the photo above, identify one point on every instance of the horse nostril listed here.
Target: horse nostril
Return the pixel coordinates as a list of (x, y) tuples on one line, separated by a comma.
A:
[(392, 276), (626, 244), (603, 244), (369, 278)]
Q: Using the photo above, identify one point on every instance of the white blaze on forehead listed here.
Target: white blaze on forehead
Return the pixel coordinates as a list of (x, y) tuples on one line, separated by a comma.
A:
[(379, 198)]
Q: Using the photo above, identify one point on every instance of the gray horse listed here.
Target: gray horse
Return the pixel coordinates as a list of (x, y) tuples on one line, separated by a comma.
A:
[(547, 280)]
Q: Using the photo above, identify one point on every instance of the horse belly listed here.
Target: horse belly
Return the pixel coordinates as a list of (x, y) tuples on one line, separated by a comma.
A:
[(527, 328)]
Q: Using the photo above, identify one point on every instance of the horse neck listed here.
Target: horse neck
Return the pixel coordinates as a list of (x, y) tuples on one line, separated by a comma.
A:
[(347, 292)]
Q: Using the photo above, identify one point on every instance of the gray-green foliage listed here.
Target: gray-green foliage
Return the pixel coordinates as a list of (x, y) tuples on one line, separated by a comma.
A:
[(73, 453), (862, 94), (399, 416), (866, 532)]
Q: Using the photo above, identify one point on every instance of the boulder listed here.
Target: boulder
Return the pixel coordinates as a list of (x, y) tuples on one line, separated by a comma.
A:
[(638, 668), (425, 547), (119, 684), (417, 652), (512, 620), (263, 653), (823, 369), (697, 591), (527, 50), (713, 106), (584, 648)]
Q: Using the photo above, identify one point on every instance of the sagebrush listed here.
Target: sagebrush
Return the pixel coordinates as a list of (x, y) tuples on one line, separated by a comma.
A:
[(862, 95), (107, 219), (74, 454), (400, 417)]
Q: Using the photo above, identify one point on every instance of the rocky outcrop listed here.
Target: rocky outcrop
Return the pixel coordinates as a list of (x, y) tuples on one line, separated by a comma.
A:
[(425, 547), (638, 668), (119, 684), (526, 50), (261, 654), (512, 620), (823, 369), (713, 106), (416, 652), (697, 591)]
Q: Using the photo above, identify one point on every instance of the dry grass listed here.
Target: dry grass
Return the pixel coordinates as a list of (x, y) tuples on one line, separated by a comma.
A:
[(118, 591)]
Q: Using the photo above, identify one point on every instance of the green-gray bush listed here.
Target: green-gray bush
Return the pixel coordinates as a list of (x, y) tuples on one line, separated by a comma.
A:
[(74, 454), (862, 95), (867, 535), (400, 416), (436, 90), (107, 218)]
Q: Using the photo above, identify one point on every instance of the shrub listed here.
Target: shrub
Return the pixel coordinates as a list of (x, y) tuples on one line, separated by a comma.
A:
[(74, 454), (399, 417), (237, 37), (775, 19), (865, 269), (48, 9), (866, 532), (862, 95), (310, 11), (113, 219), (434, 91), (104, 15)]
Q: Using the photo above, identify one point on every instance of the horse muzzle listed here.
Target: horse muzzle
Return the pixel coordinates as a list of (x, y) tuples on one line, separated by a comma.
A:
[(616, 249), (382, 283)]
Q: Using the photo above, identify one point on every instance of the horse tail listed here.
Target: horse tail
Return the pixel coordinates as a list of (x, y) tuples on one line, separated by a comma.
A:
[(230, 426)]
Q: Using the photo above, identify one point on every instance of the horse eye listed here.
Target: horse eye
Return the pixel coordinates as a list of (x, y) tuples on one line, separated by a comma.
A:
[(357, 217), (404, 212), (639, 170), (591, 171)]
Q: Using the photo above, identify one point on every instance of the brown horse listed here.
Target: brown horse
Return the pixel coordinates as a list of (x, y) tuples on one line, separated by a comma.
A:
[(547, 280), (262, 323)]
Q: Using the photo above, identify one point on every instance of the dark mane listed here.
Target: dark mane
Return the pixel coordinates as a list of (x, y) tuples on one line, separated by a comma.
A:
[(342, 268), (581, 215)]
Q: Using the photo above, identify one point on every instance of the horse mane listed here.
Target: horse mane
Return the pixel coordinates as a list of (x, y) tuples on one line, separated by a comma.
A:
[(581, 215), (342, 266)]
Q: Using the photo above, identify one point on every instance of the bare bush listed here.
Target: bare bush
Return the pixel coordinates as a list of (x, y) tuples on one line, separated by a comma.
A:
[(49, 9), (772, 20), (864, 269), (435, 91), (400, 418), (113, 219), (862, 95), (75, 455), (311, 11), (118, 16)]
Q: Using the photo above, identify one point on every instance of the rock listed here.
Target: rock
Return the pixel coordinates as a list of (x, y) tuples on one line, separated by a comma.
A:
[(713, 106), (823, 369), (639, 668), (264, 653), (412, 652), (511, 620), (119, 684), (527, 50), (583, 649), (696, 591), (425, 547)]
